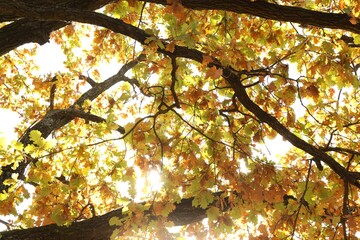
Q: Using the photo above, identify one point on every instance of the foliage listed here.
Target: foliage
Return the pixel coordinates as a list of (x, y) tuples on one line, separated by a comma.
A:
[(189, 92)]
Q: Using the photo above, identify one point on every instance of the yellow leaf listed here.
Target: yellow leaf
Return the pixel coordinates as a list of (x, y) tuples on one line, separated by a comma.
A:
[(18, 145), (35, 136)]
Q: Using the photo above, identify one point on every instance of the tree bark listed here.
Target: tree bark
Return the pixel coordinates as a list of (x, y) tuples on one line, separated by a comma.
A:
[(272, 11), (98, 228), (26, 30)]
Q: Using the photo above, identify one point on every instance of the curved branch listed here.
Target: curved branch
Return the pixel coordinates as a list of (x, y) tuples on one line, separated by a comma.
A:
[(242, 96), (272, 11), (24, 31)]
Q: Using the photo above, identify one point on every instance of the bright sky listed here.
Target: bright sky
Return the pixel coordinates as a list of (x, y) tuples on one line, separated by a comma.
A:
[(8, 121)]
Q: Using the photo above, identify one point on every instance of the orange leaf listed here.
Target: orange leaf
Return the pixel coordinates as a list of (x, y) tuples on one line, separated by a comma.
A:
[(170, 47), (69, 30), (312, 91), (353, 20), (214, 72), (206, 60)]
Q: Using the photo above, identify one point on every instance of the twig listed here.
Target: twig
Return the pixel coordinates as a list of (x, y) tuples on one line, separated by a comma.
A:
[(302, 200)]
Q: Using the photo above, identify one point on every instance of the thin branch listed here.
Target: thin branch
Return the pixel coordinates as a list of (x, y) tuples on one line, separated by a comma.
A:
[(89, 80), (173, 81), (345, 209), (7, 224), (302, 104), (52, 93), (58, 118), (303, 202), (340, 150)]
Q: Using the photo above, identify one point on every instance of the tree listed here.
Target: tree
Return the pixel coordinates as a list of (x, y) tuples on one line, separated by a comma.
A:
[(199, 87)]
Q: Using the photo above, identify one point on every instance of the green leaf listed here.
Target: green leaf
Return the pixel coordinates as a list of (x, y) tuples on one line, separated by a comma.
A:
[(213, 213), (58, 215), (115, 221), (160, 44), (203, 199), (328, 47), (115, 234)]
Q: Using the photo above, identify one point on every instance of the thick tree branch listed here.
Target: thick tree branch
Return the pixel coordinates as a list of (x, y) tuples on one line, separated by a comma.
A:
[(98, 228), (242, 96), (91, 117), (24, 31), (268, 10)]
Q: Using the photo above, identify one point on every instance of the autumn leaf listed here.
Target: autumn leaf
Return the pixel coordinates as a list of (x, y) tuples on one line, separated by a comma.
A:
[(170, 47), (163, 209), (212, 213), (312, 91), (213, 73), (59, 215), (203, 199), (206, 60), (353, 20), (115, 221)]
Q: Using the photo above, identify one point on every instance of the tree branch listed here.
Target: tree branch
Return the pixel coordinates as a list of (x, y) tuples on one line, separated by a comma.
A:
[(229, 74), (98, 228), (272, 11), (58, 118), (24, 31)]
